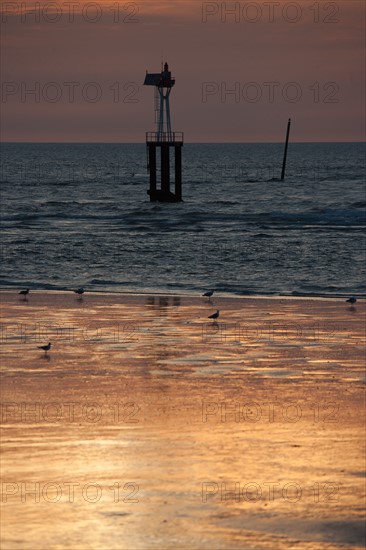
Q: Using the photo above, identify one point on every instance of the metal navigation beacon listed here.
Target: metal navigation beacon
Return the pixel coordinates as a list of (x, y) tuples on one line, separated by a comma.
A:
[(163, 139)]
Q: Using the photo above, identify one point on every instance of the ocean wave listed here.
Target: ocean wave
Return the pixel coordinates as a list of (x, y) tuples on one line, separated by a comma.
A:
[(359, 204), (324, 216), (243, 237)]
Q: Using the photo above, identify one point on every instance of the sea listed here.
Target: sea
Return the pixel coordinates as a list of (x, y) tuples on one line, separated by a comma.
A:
[(78, 215)]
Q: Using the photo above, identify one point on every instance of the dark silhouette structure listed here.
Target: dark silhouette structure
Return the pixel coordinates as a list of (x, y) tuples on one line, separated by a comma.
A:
[(285, 153), (164, 140)]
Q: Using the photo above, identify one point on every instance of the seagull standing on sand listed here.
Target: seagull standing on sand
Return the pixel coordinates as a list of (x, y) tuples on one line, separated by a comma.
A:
[(24, 293), (209, 293), (214, 315), (352, 300), (45, 348)]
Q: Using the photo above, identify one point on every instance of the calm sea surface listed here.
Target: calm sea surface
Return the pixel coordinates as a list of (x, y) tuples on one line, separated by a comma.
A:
[(79, 215)]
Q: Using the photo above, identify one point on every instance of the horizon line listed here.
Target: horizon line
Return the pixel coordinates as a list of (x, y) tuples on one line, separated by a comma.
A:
[(186, 143)]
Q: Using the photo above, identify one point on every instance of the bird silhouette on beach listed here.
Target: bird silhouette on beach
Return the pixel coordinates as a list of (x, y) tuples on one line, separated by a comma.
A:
[(209, 293), (24, 293), (214, 315), (352, 300), (45, 348), (80, 291)]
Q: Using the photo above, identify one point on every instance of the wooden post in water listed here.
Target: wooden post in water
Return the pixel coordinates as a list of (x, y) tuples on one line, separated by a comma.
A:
[(152, 168), (165, 169), (178, 173), (285, 154)]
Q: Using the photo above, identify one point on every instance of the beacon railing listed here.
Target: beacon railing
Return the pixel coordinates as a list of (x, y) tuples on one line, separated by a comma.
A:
[(164, 137)]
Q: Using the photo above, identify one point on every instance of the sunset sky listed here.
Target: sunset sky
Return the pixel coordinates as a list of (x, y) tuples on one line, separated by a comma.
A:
[(279, 59)]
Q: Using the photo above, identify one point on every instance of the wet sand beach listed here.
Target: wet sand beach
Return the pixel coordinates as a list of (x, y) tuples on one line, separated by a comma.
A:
[(149, 426)]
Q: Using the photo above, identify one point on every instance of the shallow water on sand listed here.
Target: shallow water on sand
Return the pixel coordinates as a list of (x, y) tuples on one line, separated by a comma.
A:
[(148, 426)]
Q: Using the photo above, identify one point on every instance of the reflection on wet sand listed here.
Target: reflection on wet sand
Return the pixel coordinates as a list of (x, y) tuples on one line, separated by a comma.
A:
[(146, 426)]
